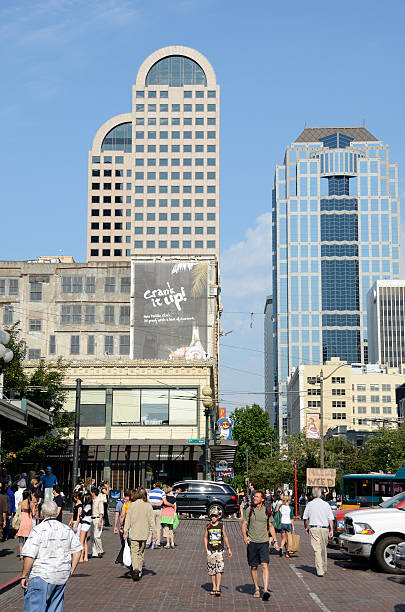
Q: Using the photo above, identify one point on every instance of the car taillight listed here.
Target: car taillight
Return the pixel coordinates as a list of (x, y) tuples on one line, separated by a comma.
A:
[(234, 498)]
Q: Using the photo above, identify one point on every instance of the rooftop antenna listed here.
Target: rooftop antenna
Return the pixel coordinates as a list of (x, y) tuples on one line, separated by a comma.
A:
[(305, 123), (364, 123)]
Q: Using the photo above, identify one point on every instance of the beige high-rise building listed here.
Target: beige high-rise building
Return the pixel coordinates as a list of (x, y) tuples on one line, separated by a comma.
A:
[(355, 397), (154, 172)]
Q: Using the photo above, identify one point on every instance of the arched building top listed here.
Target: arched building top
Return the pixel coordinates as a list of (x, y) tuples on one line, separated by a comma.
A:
[(105, 130), (175, 70)]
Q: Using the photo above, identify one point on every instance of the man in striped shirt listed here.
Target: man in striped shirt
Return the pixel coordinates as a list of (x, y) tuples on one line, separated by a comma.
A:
[(156, 497)]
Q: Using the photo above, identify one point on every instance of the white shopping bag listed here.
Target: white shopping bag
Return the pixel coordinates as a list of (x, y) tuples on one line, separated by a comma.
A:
[(126, 557)]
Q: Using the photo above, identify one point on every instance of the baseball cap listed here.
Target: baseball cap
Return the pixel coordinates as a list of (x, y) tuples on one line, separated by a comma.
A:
[(48, 468)]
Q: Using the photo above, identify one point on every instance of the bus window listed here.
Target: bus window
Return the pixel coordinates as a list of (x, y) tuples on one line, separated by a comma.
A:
[(364, 490), (349, 490), (399, 487), (382, 489)]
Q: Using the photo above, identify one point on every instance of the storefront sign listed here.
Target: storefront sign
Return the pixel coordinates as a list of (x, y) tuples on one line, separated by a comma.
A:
[(170, 304), (317, 477)]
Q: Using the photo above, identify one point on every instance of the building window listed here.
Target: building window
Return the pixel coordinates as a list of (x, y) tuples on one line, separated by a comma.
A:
[(109, 315), (336, 380), (35, 292), (52, 345), (361, 398), (374, 387), (7, 315), (386, 387), (361, 387), (35, 325), (109, 345), (124, 315), (387, 410), (90, 345), (339, 416), (362, 409), (124, 345), (90, 284), (155, 407), (109, 286), (77, 284), (338, 404), (375, 399), (338, 391), (13, 286), (74, 345), (90, 314), (65, 314), (34, 354), (386, 399), (375, 410), (66, 284), (125, 284)]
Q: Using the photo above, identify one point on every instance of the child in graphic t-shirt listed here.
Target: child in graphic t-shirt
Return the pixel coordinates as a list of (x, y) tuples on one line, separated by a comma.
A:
[(215, 538)]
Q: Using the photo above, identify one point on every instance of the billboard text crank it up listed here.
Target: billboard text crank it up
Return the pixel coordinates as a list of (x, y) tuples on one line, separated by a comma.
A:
[(171, 302)]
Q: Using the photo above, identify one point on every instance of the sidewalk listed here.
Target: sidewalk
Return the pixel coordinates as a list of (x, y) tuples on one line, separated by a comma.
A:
[(10, 564), (177, 580)]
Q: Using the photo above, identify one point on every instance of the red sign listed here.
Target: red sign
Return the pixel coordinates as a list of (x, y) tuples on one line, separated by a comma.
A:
[(222, 413)]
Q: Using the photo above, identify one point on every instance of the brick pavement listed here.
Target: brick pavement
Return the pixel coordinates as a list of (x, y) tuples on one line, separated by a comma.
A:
[(177, 579)]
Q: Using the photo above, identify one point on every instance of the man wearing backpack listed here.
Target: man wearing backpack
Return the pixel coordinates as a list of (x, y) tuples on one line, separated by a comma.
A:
[(256, 525)]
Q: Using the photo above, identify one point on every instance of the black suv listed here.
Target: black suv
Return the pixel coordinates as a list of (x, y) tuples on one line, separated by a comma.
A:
[(203, 496)]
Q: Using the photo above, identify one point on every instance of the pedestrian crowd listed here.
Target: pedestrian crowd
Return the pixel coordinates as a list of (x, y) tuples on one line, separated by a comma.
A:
[(33, 504)]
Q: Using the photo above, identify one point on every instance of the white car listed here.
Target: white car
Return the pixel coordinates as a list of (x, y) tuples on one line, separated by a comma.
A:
[(374, 534)]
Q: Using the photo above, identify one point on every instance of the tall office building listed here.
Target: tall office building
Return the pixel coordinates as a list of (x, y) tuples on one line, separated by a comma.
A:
[(386, 323), (334, 233), (154, 172)]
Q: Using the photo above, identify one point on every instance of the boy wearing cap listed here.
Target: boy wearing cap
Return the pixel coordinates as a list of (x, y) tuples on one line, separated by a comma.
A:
[(215, 538)]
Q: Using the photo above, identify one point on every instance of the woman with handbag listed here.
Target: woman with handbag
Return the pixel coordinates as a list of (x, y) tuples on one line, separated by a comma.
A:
[(25, 508)]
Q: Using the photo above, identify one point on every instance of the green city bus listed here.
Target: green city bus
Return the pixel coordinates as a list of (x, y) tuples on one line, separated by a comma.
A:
[(360, 490)]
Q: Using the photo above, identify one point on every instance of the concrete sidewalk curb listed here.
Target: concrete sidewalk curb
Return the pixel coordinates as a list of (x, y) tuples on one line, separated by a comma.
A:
[(10, 583)]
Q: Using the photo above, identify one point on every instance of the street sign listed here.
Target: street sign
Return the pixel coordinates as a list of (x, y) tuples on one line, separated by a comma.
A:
[(196, 441)]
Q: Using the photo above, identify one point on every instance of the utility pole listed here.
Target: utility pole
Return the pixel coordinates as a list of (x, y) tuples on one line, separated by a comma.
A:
[(322, 449), (247, 465), (76, 434)]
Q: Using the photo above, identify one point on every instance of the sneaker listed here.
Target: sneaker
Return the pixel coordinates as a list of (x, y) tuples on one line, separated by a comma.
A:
[(135, 576), (171, 545)]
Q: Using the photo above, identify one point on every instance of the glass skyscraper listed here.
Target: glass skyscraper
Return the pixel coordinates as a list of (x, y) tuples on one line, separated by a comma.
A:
[(335, 231)]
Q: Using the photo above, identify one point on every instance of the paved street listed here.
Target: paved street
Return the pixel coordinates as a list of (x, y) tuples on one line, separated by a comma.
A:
[(177, 580)]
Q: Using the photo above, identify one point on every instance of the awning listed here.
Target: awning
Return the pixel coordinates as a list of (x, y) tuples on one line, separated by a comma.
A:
[(19, 411), (224, 450)]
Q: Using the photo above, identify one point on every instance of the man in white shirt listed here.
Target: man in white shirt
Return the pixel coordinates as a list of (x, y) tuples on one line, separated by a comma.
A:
[(51, 554), (318, 522), (18, 495)]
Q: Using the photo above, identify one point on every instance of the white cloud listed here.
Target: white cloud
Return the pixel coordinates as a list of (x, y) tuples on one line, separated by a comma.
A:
[(246, 265)]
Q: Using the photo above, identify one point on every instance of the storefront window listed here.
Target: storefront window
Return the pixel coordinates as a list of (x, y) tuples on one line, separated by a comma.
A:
[(126, 406), (155, 407)]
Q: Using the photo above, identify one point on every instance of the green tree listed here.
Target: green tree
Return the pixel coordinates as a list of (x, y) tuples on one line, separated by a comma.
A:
[(385, 450), (254, 433), (45, 388)]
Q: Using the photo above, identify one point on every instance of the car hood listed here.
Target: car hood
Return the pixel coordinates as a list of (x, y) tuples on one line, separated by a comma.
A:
[(384, 514), (340, 514)]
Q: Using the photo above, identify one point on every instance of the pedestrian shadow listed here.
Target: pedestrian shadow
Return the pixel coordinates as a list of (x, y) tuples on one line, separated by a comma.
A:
[(148, 572), (208, 587), (338, 556), (307, 568), (6, 551), (81, 575), (399, 608), (361, 565), (247, 589), (400, 579)]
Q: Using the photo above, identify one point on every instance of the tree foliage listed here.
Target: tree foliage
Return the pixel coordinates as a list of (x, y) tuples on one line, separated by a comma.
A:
[(44, 387), (273, 466)]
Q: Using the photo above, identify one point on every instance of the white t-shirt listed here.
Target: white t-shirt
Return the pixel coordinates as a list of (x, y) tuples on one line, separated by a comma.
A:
[(18, 495), (318, 513), (285, 512)]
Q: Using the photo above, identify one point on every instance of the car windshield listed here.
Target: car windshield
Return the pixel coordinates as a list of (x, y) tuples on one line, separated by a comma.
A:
[(393, 501)]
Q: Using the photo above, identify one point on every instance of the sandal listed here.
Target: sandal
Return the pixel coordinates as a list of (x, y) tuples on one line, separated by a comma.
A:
[(256, 594), (218, 594), (213, 593)]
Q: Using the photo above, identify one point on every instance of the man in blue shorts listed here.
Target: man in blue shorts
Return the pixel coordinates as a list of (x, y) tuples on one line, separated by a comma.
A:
[(256, 525)]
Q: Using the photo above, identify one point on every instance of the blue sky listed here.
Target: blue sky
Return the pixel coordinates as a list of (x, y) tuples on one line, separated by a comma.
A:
[(68, 65)]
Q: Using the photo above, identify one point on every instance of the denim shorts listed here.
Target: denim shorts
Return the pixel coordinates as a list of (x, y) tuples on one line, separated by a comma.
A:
[(286, 527)]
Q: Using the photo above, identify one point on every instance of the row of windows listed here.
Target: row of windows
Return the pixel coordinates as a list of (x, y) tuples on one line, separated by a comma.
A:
[(175, 121), (120, 346), (199, 134), (163, 189), (150, 203), (163, 93), (74, 284), (374, 410), (153, 176), (175, 108), (152, 244), (12, 286), (151, 148), (175, 161), (95, 225), (75, 313), (151, 231), (375, 399)]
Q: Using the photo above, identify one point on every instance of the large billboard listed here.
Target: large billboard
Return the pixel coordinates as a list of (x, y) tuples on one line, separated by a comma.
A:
[(170, 310)]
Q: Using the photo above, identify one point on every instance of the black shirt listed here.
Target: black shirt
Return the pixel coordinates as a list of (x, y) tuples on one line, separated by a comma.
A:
[(58, 499)]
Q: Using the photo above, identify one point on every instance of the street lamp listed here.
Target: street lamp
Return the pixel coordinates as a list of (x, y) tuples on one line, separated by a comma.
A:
[(207, 403), (321, 381), (6, 356)]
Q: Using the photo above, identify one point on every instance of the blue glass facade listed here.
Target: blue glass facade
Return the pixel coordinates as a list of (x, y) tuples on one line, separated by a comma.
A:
[(335, 215)]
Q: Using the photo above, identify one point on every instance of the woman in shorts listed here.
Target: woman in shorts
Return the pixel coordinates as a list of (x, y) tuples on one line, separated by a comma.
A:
[(85, 524), (287, 522)]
